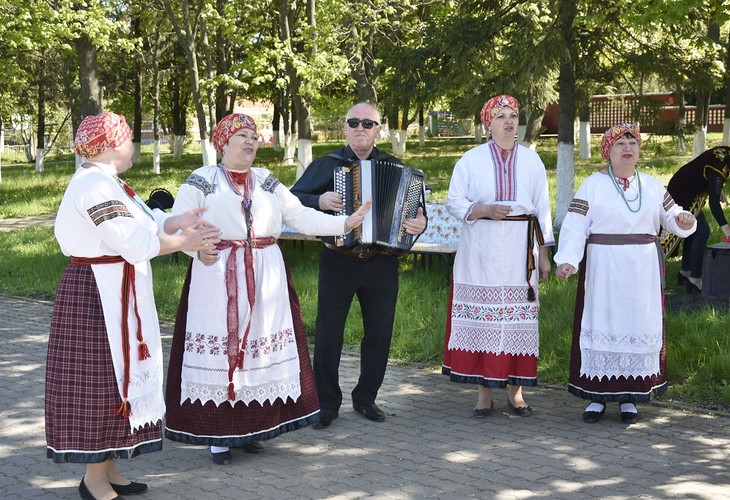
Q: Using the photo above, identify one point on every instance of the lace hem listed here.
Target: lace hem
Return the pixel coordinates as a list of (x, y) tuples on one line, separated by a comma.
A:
[(278, 389), (611, 364), (517, 342), (148, 409)]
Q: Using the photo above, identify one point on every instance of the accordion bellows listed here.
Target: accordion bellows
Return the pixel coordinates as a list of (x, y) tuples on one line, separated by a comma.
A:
[(397, 192)]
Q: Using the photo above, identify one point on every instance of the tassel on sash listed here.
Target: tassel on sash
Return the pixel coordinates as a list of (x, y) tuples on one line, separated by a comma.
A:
[(236, 345), (124, 409)]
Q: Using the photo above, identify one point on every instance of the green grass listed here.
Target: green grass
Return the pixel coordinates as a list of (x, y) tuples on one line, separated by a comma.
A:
[(698, 346)]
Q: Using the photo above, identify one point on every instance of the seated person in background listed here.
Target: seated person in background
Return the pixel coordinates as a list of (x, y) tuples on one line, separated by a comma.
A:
[(691, 186)]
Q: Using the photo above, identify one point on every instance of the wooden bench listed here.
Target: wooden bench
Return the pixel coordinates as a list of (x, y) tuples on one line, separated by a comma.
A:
[(440, 237)]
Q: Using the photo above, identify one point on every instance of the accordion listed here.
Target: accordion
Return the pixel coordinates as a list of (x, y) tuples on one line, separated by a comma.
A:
[(396, 190)]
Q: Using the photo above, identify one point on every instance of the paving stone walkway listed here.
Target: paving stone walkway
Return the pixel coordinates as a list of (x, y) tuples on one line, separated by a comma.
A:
[(429, 446)]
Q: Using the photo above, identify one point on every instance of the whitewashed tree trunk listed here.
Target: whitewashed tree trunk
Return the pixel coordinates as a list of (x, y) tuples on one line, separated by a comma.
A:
[(682, 146), (478, 134), (178, 144), (726, 131), (79, 160), (39, 153), (304, 156), (208, 152), (584, 138), (398, 141), (521, 131), (277, 141), (699, 141), (422, 136), (137, 155), (392, 133), (28, 150), (566, 172), (402, 141), (156, 158), (290, 148)]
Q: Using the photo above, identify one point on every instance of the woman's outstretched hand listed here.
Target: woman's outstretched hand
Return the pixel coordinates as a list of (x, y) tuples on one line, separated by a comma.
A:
[(355, 220)]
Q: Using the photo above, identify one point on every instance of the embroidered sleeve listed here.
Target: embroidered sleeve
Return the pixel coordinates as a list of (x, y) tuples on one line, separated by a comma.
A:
[(200, 183), (270, 183), (578, 206), (108, 210), (668, 201)]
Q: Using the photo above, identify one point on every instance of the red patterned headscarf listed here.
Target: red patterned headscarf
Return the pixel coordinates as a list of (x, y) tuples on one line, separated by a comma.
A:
[(612, 134), (496, 104), (228, 126), (97, 133)]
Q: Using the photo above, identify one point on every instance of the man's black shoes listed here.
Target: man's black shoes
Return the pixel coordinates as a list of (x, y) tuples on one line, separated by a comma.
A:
[(325, 418), (371, 412)]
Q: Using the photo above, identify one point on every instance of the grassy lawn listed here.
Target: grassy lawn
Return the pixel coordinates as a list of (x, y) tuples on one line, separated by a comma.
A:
[(698, 345)]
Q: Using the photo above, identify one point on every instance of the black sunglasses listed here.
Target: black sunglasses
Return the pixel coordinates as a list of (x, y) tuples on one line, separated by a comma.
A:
[(366, 123)]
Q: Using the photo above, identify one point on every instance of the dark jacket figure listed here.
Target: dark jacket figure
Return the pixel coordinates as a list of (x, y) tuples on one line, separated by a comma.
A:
[(699, 181)]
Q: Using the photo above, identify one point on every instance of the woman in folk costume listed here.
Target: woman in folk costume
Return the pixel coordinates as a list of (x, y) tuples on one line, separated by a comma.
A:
[(104, 396), (611, 231), (499, 190), (239, 370)]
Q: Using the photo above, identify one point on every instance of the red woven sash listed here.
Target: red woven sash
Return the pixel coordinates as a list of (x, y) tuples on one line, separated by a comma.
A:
[(236, 346), (128, 286)]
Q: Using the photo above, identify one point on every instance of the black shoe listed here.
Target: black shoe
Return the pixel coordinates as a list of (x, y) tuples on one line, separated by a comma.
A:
[(222, 458), (253, 448), (371, 412), (520, 411), (130, 489), (682, 279), (629, 417), (86, 494), (594, 416), (483, 412), (692, 288), (325, 418)]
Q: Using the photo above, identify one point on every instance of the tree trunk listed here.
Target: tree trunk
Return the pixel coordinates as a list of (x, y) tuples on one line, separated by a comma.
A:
[(208, 67), (2, 146), (584, 127), (364, 66), (699, 143), (726, 116), (682, 122), (299, 107), (479, 129), (137, 126), (156, 101), (90, 102), (223, 61), (186, 38), (566, 113), (276, 127), (533, 127), (138, 70), (304, 117), (178, 112), (41, 140)]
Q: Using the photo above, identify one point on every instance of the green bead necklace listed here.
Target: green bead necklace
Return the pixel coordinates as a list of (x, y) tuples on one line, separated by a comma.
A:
[(621, 192)]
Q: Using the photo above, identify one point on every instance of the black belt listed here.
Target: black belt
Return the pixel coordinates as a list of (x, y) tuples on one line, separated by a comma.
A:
[(365, 255)]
